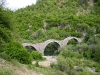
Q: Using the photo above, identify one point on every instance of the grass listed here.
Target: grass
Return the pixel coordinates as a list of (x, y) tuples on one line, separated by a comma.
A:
[(9, 60), (46, 70), (5, 71), (5, 56), (8, 65)]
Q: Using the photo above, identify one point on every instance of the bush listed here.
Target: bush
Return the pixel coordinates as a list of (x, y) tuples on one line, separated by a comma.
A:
[(5, 35), (97, 69), (16, 51), (73, 42), (68, 51), (5, 56), (37, 64), (65, 65), (36, 55), (93, 51)]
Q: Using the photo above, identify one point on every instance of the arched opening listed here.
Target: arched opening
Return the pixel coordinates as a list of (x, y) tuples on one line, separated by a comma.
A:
[(51, 49), (30, 48), (73, 42)]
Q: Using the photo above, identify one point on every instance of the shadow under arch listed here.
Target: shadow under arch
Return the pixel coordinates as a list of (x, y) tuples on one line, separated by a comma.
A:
[(51, 49), (30, 48), (72, 41)]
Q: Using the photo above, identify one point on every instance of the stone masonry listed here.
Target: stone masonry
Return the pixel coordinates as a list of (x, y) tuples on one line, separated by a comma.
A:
[(41, 46)]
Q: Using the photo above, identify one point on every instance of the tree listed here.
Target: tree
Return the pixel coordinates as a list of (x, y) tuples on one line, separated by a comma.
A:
[(5, 26), (83, 2), (37, 1), (2, 3)]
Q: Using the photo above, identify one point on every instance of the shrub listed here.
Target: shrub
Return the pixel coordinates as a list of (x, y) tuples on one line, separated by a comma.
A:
[(62, 64), (97, 69), (73, 42), (68, 51), (53, 33), (63, 33), (16, 51), (37, 64), (5, 56), (93, 51), (65, 65), (76, 34), (5, 35), (36, 55)]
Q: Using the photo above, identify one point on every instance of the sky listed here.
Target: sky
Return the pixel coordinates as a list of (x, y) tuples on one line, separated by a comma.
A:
[(15, 4)]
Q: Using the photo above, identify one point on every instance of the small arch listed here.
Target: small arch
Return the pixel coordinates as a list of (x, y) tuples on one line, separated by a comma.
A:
[(30, 48), (73, 41), (51, 49)]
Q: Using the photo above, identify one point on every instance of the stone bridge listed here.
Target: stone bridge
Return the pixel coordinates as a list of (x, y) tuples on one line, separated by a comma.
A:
[(41, 46)]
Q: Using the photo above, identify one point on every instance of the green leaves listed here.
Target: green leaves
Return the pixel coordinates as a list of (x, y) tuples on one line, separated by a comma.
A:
[(36, 55), (16, 51), (5, 35)]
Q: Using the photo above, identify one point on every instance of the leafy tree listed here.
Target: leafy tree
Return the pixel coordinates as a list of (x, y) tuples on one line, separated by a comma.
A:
[(5, 26), (2, 3)]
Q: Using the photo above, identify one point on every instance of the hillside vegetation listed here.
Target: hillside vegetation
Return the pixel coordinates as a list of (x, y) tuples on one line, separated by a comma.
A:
[(51, 19), (58, 19)]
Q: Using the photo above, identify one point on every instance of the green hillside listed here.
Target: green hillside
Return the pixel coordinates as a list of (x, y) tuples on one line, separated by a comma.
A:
[(51, 19), (58, 19)]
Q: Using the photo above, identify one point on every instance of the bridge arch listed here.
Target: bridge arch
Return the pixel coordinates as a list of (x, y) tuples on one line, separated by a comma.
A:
[(30, 48), (51, 48), (72, 41), (51, 40), (65, 41)]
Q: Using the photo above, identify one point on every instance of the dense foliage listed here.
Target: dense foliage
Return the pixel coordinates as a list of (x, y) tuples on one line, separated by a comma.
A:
[(36, 55), (16, 51), (58, 19), (5, 27), (93, 49), (75, 60)]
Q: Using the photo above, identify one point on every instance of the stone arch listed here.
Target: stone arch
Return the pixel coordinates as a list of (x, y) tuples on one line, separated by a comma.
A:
[(50, 48), (49, 41), (66, 40), (73, 41), (30, 48), (75, 38)]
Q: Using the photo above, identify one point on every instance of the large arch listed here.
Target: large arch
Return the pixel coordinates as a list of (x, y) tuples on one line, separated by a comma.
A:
[(51, 48), (51, 40)]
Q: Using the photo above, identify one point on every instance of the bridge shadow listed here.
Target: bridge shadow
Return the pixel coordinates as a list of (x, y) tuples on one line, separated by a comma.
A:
[(51, 49), (30, 48)]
